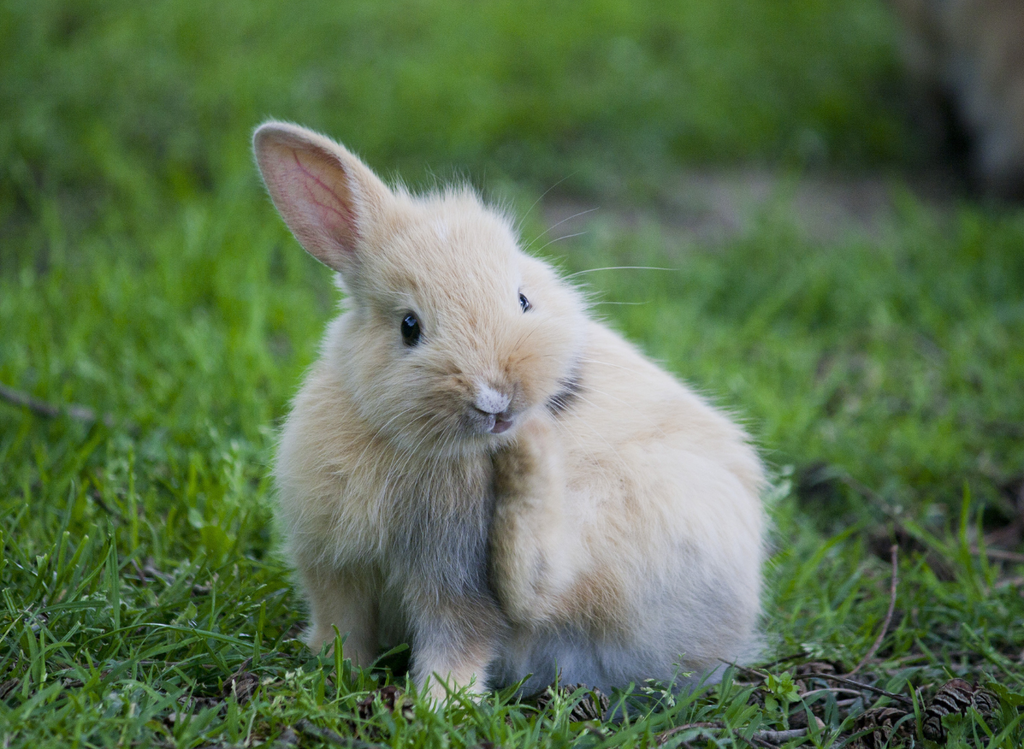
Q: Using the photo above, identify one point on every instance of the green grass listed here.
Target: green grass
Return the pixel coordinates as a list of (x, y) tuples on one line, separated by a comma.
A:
[(118, 98), (143, 273)]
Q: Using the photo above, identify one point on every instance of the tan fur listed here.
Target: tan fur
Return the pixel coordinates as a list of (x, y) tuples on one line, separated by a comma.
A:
[(614, 531), (972, 51)]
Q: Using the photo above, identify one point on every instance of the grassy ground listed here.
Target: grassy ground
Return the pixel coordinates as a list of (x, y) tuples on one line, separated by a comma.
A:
[(143, 273)]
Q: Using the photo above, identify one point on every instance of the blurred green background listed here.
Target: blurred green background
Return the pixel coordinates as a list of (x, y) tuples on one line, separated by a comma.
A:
[(865, 324), (96, 92), (143, 271)]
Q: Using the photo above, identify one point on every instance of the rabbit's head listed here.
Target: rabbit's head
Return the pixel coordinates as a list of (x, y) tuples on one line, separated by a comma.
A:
[(453, 335)]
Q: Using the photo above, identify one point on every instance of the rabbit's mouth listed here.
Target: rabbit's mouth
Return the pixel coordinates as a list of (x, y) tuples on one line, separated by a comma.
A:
[(502, 423), (494, 408), (493, 423)]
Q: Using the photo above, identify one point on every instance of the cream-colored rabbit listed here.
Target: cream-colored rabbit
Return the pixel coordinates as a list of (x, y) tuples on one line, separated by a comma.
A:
[(477, 468)]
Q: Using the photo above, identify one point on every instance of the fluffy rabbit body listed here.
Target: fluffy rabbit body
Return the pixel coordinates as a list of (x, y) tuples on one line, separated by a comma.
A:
[(477, 468)]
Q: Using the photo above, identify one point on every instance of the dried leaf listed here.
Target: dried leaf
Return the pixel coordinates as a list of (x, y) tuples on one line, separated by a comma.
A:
[(287, 739), (391, 698), (7, 687), (243, 686), (592, 705)]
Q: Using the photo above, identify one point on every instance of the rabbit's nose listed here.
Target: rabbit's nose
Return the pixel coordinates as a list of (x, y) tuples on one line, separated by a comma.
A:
[(490, 401)]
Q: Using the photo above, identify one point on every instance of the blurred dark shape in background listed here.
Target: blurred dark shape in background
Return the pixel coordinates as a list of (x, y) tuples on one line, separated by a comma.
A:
[(967, 59)]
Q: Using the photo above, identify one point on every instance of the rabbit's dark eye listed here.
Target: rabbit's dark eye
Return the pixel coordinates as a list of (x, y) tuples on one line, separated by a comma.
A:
[(410, 330), (524, 302)]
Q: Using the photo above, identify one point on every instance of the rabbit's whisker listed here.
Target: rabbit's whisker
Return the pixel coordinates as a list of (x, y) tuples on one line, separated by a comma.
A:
[(559, 239), (555, 226), (545, 194), (616, 267)]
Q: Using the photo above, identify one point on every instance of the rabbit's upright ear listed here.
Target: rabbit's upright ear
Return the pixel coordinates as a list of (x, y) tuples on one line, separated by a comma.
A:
[(327, 196)]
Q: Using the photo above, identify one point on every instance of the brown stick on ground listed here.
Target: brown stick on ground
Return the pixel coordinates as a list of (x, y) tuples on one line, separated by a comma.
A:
[(894, 552), (1005, 556), (49, 410), (859, 685), (664, 736), (780, 737), (771, 737)]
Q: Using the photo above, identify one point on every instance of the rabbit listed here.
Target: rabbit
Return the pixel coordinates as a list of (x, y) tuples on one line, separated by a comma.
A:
[(477, 467)]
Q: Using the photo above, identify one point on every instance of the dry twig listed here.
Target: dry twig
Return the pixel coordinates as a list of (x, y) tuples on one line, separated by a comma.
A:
[(780, 737), (666, 735), (867, 687), (830, 690), (894, 553), (49, 410), (759, 737), (1000, 554)]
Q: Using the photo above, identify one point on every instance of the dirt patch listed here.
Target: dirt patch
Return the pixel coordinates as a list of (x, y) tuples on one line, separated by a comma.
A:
[(709, 207)]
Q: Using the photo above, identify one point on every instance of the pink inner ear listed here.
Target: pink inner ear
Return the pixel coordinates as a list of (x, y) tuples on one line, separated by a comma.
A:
[(333, 211), (314, 192)]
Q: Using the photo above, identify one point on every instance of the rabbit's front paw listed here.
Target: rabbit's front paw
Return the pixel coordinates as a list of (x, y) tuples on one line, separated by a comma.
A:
[(528, 470)]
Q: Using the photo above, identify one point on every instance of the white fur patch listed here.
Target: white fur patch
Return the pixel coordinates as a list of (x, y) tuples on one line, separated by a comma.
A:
[(490, 400), (441, 229)]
